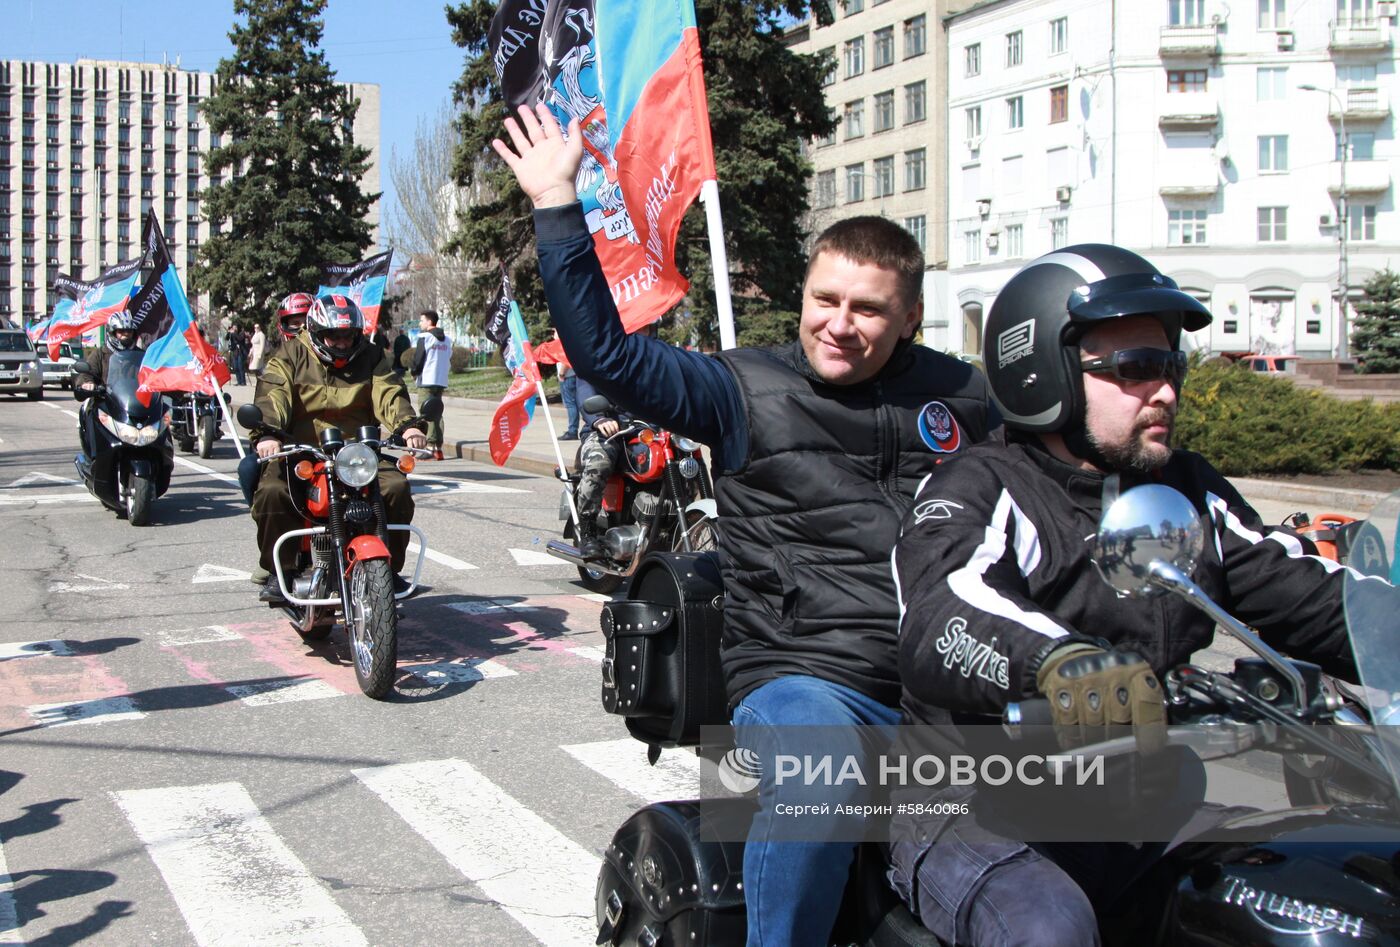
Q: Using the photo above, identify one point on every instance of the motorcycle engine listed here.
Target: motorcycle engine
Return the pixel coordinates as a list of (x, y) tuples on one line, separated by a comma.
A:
[(644, 507)]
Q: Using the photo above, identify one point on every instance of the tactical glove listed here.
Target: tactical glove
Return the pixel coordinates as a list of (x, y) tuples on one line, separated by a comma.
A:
[(1090, 689)]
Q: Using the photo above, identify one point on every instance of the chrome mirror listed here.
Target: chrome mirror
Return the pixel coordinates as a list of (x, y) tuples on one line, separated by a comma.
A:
[(1146, 524)]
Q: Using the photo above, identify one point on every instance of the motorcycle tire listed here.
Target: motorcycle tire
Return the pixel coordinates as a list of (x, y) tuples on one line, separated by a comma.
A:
[(702, 534), (37, 395), (208, 434), (373, 626), (186, 446), (595, 580), (140, 497)]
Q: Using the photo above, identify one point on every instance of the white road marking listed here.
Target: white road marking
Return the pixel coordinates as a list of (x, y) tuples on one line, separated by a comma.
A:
[(234, 879), (467, 671), (39, 476), (596, 597), (442, 557), (537, 875), (591, 652), (9, 916), (435, 484), (676, 774), (21, 499), (282, 692), (178, 637), (96, 584), (207, 471), (484, 606), (31, 649), (529, 557), (212, 573), (100, 710)]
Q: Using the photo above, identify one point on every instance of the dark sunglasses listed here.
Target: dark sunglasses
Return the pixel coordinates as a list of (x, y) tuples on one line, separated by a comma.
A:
[(1134, 365)]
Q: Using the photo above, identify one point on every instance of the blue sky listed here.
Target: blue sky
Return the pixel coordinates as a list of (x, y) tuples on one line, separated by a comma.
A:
[(404, 46)]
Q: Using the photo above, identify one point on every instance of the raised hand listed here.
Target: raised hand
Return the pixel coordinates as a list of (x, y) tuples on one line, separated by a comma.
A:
[(543, 160)]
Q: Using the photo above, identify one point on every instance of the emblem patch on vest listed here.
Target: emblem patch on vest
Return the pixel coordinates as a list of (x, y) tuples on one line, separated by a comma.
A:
[(939, 428)]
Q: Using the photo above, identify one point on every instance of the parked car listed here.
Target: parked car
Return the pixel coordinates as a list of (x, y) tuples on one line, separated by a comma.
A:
[(59, 371), (20, 371), (1271, 364)]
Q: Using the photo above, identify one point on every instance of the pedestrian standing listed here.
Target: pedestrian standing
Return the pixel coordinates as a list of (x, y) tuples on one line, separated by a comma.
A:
[(238, 354), (568, 392), (432, 361), (257, 350), (402, 344)]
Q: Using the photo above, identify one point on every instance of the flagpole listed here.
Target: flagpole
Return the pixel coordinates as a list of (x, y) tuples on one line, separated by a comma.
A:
[(558, 453), (223, 406), (719, 262)]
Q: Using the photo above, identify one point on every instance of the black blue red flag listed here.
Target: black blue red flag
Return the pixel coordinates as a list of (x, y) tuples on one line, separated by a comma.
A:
[(363, 282)]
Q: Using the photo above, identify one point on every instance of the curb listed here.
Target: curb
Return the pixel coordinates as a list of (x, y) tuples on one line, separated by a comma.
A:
[(1308, 496)]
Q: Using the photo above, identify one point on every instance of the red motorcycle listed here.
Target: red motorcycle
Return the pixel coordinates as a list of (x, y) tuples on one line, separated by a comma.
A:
[(660, 498)]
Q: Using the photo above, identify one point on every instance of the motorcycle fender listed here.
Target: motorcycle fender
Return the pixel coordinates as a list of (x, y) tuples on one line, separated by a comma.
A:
[(565, 510), (366, 547), (142, 467), (708, 507)]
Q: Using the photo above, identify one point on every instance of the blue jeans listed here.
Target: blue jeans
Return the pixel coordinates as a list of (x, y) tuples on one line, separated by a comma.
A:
[(248, 472), (568, 390), (792, 890)]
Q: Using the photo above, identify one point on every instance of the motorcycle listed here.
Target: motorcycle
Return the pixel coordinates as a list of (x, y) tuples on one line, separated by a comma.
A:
[(660, 499), (127, 454), (343, 569), (1319, 866), (194, 421)]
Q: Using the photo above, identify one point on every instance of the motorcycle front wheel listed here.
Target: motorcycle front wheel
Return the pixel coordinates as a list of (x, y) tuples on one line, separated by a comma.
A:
[(140, 497), (373, 626), (208, 434), (699, 529)]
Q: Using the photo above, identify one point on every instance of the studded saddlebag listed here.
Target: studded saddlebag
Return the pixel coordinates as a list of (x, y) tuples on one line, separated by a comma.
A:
[(662, 668), (667, 878)]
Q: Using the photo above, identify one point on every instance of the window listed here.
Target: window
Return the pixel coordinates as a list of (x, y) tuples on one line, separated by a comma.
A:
[(824, 194), (915, 169), (918, 228), (192, 111), (1012, 174), (855, 119), (99, 109), (855, 56), (973, 57), (1059, 233), (1356, 74), (884, 111), (1273, 224), (1186, 228), (1273, 153), (1013, 48), (883, 49), (829, 54), (148, 113), (1015, 241), (1059, 104), (1362, 144), (852, 6), (974, 124), (170, 111), (1015, 112), (1272, 14), (1355, 11), (972, 246), (855, 183), (883, 176), (915, 36), (1271, 83), (1059, 36), (1186, 12), (1186, 80), (915, 98), (1361, 222)]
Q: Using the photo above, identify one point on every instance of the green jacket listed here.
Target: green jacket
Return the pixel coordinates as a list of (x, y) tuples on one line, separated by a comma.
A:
[(302, 395), (96, 358)]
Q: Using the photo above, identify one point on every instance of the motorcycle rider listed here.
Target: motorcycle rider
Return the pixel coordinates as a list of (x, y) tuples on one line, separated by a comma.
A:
[(328, 376), (598, 458), (817, 447), (1084, 357), (121, 337)]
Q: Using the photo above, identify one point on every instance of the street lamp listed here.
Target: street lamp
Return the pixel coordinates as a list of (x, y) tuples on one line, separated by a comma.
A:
[(1343, 223)]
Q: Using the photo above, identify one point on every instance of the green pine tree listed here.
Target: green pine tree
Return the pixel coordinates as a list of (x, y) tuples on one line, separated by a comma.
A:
[(1375, 336), (289, 171), (764, 100)]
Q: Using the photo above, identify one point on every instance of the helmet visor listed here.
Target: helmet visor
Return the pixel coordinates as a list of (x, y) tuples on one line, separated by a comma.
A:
[(1137, 294)]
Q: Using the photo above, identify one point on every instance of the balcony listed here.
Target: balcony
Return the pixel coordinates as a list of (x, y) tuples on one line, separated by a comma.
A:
[(1359, 35), (1194, 177), (1189, 41), (1361, 104), (1189, 110), (1363, 177)]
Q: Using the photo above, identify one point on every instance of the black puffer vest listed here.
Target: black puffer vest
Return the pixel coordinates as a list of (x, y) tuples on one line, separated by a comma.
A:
[(808, 522)]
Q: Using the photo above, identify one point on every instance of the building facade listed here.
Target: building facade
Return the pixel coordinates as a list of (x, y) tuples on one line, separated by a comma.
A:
[(86, 148), (1179, 129)]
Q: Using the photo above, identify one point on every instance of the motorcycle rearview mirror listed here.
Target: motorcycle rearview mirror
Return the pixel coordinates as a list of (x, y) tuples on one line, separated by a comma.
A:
[(1145, 526), (82, 367), (249, 415), (228, 398), (597, 404), (432, 409)]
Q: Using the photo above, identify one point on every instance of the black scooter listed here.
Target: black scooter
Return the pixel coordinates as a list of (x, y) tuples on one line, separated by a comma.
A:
[(127, 452)]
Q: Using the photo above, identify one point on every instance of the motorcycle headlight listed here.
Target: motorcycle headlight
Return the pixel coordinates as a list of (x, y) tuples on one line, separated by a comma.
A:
[(356, 465), (130, 433), (686, 444)]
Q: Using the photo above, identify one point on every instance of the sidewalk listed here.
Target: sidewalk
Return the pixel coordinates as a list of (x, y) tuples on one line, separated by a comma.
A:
[(468, 420)]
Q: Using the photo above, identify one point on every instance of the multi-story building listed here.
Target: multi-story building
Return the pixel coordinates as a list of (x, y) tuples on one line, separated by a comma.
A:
[(1205, 135), (86, 148), (886, 88)]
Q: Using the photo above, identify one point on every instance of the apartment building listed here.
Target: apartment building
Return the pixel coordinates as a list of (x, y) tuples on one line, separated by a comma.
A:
[(1207, 136), (87, 147)]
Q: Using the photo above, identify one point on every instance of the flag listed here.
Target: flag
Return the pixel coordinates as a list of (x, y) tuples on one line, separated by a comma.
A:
[(498, 320), (517, 408), (363, 282), (179, 358), (85, 305), (551, 353), (629, 71), (36, 330)]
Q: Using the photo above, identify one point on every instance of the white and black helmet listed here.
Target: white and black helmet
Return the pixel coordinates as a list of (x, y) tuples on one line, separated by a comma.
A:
[(1031, 345), (121, 321)]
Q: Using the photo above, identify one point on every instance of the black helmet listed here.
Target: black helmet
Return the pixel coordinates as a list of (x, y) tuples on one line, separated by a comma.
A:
[(1031, 346), (330, 313)]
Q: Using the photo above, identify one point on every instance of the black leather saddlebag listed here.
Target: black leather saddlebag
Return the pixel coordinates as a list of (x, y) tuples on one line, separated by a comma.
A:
[(661, 670)]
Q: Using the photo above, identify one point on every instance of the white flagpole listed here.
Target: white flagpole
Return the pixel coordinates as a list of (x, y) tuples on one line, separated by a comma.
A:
[(719, 261), (558, 453), (223, 406)]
